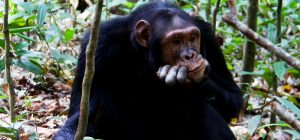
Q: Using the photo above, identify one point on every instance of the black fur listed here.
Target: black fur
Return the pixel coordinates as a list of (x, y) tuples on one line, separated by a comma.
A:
[(128, 101)]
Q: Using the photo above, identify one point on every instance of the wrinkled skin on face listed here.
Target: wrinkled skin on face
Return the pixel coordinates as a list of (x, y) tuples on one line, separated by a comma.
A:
[(181, 54)]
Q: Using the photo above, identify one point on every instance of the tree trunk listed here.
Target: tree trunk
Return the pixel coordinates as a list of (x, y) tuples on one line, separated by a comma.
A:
[(278, 40), (249, 51)]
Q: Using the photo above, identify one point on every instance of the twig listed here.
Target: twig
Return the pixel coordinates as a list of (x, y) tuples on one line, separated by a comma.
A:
[(285, 115), (263, 106), (215, 14), (231, 19), (89, 73), (89, 2), (12, 94)]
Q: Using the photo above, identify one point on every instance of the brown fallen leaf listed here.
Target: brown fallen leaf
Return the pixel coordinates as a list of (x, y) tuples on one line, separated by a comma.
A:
[(45, 133), (35, 106), (62, 87), (24, 136)]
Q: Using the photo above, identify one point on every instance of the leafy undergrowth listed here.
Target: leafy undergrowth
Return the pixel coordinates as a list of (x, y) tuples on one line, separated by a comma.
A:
[(264, 105), (41, 107)]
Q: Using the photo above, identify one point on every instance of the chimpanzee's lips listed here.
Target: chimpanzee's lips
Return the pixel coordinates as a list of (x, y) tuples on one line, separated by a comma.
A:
[(195, 69)]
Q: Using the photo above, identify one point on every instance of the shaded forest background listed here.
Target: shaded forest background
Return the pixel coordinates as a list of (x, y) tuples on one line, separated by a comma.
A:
[(45, 41)]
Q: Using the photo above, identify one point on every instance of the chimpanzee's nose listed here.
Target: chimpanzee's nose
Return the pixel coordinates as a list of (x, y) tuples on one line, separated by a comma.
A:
[(189, 56)]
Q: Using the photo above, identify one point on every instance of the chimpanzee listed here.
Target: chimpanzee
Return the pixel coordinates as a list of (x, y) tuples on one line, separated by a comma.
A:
[(159, 75)]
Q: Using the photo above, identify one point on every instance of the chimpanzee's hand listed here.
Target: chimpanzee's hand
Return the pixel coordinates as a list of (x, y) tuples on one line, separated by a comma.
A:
[(184, 75)]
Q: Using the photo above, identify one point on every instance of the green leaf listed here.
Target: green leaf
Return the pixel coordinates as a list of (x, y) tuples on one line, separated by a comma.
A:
[(29, 65), (289, 105), (294, 72), (293, 100), (25, 37), (261, 72), (280, 123), (19, 117), (280, 69), (187, 8), (271, 33), (61, 57), (129, 5), (27, 6), (33, 54), (8, 132), (2, 43), (284, 43), (260, 93), (21, 45), (253, 123), (42, 13), (3, 97), (60, 34), (55, 54), (20, 30), (16, 18), (2, 66), (69, 58), (229, 66), (69, 34), (295, 134), (18, 23), (20, 53)]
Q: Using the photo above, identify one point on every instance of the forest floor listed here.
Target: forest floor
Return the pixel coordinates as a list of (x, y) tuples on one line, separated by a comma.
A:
[(41, 107)]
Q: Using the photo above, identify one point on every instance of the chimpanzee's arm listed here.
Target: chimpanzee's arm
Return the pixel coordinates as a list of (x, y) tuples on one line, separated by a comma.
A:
[(227, 97), (226, 100)]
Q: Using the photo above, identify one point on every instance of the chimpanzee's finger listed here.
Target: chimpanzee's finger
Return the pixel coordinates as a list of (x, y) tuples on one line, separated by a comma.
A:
[(182, 75), (164, 71), (171, 76)]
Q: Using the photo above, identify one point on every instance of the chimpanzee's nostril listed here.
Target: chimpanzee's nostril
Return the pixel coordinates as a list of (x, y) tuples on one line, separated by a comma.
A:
[(188, 56)]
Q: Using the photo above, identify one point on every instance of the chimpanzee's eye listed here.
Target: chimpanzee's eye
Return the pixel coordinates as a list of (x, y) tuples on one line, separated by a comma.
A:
[(176, 41), (193, 38)]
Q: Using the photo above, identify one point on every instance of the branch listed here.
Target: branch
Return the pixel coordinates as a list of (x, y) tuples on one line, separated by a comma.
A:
[(89, 73), (231, 19), (285, 116), (215, 14), (89, 2), (12, 98)]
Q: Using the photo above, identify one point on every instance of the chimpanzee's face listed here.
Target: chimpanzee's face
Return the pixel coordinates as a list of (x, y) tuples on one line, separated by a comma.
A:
[(180, 42), (181, 46)]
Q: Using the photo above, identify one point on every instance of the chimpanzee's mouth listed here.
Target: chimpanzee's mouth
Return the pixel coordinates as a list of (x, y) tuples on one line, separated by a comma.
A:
[(195, 69)]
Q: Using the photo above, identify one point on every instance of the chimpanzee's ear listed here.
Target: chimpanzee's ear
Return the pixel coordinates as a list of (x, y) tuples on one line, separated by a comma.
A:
[(142, 32)]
